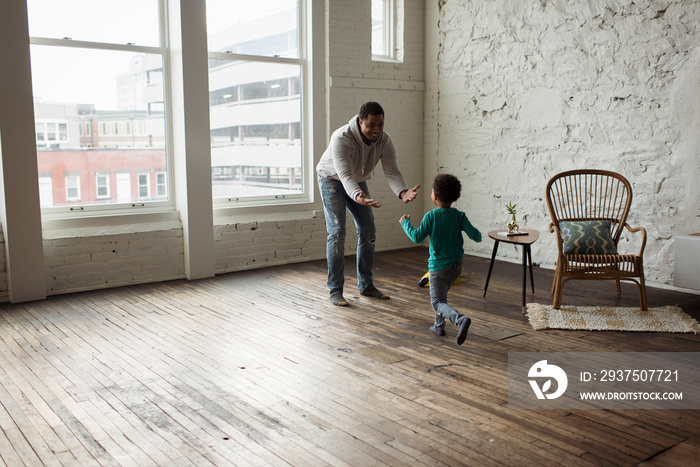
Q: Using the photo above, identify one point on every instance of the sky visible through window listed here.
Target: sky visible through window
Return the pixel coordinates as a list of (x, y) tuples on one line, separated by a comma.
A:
[(130, 21)]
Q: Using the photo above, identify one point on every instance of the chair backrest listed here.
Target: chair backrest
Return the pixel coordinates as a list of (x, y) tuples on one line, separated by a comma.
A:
[(578, 195)]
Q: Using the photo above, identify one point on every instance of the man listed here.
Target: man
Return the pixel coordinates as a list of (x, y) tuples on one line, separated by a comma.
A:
[(353, 153)]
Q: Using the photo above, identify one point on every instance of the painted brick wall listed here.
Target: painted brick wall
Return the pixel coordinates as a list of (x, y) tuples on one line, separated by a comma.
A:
[(82, 259), (242, 242), (529, 89)]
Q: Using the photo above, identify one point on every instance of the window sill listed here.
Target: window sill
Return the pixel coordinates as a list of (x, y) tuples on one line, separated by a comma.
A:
[(229, 218), (110, 224)]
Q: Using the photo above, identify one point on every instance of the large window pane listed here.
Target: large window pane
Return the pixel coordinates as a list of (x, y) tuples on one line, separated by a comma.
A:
[(268, 28), (255, 104), (383, 30), (108, 94), (256, 140), (117, 22)]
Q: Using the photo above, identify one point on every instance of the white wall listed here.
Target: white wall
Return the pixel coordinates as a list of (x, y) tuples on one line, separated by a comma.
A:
[(529, 89)]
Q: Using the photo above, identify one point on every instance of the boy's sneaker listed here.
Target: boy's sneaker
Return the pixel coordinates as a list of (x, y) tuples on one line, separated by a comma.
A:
[(463, 330), (438, 331)]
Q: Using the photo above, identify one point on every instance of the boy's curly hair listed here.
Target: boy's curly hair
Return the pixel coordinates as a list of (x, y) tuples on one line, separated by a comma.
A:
[(447, 188)]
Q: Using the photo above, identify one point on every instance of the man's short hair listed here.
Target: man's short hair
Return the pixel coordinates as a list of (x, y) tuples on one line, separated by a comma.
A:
[(447, 188), (370, 108)]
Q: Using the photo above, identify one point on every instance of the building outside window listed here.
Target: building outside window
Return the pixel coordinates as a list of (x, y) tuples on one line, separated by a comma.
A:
[(102, 185), (144, 185), (51, 133), (257, 70), (46, 189), (72, 187), (98, 75), (161, 185)]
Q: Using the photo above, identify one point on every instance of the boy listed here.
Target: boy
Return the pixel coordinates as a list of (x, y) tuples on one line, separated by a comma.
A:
[(444, 225)]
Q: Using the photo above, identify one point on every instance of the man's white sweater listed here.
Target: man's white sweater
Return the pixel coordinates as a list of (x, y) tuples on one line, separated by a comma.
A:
[(349, 159)]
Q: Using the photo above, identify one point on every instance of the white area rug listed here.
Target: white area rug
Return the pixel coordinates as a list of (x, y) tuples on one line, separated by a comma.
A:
[(598, 318)]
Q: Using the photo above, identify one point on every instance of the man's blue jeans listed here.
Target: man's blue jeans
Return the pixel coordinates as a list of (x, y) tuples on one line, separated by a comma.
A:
[(440, 283), (335, 202)]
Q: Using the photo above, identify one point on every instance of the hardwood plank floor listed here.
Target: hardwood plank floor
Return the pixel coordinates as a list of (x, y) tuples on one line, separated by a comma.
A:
[(258, 368)]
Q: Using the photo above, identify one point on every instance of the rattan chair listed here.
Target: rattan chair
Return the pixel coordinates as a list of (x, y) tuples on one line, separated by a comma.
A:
[(593, 195)]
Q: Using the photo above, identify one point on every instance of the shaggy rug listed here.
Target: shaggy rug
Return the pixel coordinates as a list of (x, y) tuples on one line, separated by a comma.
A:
[(600, 318)]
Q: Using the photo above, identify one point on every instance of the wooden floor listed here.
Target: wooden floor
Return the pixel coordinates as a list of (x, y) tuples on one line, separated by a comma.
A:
[(258, 368)]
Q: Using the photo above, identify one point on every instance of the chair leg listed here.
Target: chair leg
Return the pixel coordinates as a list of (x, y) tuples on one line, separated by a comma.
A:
[(556, 277), (617, 283), (642, 294), (556, 304)]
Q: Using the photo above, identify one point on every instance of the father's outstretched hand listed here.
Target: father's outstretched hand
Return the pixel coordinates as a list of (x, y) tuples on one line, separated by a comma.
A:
[(410, 195), (365, 201)]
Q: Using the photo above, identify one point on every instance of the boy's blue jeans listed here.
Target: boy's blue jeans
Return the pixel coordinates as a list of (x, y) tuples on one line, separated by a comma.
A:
[(335, 202), (440, 283)]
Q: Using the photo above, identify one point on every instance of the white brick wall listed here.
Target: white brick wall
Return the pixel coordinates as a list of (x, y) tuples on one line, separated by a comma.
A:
[(82, 259), (529, 89)]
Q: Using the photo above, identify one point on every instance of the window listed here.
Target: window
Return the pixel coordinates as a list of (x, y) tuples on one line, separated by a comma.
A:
[(102, 186), (384, 30), (257, 70), (72, 187), (107, 76), (50, 133), (161, 185), (144, 186)]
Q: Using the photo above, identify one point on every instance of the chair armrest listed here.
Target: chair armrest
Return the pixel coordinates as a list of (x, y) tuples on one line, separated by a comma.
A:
[(560, 242), (644, 236)]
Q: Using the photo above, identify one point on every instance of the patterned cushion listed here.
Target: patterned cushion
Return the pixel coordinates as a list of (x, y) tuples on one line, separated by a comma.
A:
[(587, 238)]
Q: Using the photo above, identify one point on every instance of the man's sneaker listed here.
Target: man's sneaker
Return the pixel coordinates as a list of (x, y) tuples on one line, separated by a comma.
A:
[(438, 331)]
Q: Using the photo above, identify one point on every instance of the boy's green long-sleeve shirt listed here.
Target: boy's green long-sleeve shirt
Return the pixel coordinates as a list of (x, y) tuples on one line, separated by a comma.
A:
[(444, 226)]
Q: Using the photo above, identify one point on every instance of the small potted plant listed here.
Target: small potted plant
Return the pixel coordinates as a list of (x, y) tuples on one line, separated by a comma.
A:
[(512, 225)]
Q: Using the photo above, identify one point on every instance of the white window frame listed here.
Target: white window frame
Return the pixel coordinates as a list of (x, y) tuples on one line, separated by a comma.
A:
[(98, 178), (161, 185), (104, 128), (388, 32), (70, 181), (42, 127), (304, 62), (147, 185)]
